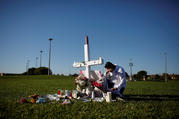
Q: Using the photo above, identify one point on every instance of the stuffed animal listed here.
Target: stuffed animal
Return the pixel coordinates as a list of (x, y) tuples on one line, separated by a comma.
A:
[(81, 82)]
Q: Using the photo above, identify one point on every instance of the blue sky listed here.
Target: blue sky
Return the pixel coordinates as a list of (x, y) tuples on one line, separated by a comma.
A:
[(118, 30)]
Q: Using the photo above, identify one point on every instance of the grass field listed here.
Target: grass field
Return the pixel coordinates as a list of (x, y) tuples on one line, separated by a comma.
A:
[(144, 99)]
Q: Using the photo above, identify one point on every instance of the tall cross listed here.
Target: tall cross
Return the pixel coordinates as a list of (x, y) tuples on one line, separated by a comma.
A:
[(87, 63)]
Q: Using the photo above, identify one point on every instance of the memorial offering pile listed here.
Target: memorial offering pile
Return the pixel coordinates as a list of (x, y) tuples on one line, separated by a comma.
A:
[(67, 97)]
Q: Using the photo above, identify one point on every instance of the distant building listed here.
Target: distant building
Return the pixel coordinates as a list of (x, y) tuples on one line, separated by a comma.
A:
[(151, 77), (169, 76), (174, 76), (1, 74)]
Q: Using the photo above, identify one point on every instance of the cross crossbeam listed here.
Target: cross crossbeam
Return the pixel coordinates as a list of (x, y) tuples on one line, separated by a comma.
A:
[(87, 63)]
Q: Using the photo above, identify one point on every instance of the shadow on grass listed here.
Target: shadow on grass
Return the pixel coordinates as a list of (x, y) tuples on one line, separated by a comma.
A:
[(151, 97)]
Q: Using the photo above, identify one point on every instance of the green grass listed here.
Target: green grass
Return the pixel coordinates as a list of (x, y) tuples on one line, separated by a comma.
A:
[(14, 87), (143, 100)]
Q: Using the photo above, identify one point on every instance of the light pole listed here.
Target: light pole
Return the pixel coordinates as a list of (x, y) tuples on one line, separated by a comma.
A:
[(130, 65), (41, 58), (165, 54), (50, 39)]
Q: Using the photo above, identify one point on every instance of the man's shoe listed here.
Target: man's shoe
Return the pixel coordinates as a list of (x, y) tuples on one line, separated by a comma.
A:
[(120, 99)]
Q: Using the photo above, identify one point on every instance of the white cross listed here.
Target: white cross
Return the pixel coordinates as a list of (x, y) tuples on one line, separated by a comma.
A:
[(87, 63)]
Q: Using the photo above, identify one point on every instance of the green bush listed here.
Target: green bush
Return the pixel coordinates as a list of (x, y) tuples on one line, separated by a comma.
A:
[(37, 71)]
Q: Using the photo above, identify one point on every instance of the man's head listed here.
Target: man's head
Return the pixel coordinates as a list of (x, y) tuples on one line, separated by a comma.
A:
[(109, 67)]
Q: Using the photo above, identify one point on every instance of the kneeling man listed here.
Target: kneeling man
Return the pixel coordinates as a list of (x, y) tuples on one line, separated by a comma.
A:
[(115, 80)]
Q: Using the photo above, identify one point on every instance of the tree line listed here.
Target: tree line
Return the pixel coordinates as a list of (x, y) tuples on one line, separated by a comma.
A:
[(37, 71), (140, 76)]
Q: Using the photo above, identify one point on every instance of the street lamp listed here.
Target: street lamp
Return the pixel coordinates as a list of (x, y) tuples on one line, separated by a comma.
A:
[(50, 39), (165, 54), (130, 65), (41, 58)]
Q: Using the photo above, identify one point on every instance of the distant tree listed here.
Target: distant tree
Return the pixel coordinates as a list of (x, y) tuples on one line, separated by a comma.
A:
[(157, 77), (24, 73), (135, 76), (163, 76), (74, 75), (127, 76), (31, 71), (37, 71), (42, 71), (141, 74)]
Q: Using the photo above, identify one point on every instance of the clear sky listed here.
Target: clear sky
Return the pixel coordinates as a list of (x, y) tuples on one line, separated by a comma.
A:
[(118, 30)]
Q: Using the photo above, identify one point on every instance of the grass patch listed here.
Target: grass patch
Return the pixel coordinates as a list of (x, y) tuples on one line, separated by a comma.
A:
[(143, 100)]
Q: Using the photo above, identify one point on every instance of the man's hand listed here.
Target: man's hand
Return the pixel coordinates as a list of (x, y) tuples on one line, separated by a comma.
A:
[(113, 89)]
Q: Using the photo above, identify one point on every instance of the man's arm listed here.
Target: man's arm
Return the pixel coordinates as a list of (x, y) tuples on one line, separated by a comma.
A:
[(107, 77), (121, 77)]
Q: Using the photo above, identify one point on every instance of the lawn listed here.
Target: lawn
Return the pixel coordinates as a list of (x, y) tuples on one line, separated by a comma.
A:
[(144, 99)]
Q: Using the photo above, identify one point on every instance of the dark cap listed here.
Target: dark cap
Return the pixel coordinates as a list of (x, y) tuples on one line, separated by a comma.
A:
[(109, 65)]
